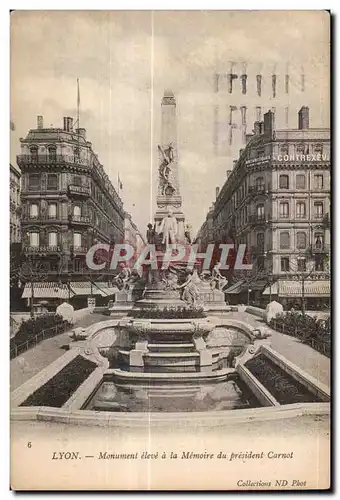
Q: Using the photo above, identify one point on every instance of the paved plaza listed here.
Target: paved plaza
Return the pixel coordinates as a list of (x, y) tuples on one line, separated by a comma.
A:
[(34, 360)]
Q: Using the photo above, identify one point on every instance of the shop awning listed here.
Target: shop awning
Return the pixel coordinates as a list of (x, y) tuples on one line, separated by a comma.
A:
[(271, 290), (257, 286), (47, 290), (85, 288), (315, 289), (107, 289), (236, 288)]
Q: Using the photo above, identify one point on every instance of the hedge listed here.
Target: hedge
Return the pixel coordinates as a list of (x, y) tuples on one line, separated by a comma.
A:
[(311, 331), (30, 330)]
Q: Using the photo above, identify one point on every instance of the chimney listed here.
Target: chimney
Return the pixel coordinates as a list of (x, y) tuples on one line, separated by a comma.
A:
[(217, 191), (40, 122), (269, 123), (81, 132), (68, 123), (229, 172), (234, 164), (304, 118), (240, 152)]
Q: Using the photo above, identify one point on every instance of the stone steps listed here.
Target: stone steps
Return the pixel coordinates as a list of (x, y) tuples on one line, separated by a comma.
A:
[(175, 347)]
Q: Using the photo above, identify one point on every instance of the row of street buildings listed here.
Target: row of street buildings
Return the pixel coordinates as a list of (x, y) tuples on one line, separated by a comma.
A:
[(276, 200), (61, 203)]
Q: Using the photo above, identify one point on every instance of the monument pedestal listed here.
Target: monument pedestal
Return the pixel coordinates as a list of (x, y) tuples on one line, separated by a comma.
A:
[(123, 303)]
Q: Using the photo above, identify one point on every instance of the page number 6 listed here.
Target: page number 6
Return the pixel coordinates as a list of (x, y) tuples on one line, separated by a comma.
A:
[(29, 444)]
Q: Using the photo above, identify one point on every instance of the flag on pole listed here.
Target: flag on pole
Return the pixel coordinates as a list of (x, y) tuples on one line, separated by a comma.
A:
[(120, 185)]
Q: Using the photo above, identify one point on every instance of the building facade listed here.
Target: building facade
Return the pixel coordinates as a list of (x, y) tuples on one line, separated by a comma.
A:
[(244, 91), (15, 229), (276, 200), (68, 201)]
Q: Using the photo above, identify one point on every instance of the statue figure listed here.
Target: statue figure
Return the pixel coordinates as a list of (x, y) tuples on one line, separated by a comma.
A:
[(122, 281), (150, 234), (168, 227), (170, 280), (187, 231), (190, 290), (165, 170), (218, 280)]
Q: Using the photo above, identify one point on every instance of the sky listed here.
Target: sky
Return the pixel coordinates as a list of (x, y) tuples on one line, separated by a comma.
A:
[(124, 61)]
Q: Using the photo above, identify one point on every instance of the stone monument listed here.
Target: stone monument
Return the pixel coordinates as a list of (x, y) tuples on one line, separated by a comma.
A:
[(169, 199)]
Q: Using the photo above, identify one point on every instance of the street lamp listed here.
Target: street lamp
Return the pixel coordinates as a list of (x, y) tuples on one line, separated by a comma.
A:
[(249, 291)]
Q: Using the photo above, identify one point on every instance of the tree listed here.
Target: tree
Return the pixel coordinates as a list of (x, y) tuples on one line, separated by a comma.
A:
[(31, 271)]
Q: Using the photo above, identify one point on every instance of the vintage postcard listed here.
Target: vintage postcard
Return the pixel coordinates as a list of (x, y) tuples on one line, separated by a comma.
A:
[(170, 322)]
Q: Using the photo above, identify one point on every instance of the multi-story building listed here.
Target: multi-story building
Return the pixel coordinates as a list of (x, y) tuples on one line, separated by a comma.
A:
[(276, 200), (244, 91), (205, 234), (15, 231), (68, 201)]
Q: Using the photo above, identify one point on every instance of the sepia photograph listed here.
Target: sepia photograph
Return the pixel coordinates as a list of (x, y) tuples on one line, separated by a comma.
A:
[(170, 250)]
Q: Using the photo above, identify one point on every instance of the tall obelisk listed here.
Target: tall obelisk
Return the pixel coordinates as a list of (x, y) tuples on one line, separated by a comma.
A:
[(168, 195)]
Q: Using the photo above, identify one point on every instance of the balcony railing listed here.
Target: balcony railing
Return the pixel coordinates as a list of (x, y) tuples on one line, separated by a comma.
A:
[(42, 249), (257, 219), (49, 159), (79, 190), (320, 248), (260, 189)]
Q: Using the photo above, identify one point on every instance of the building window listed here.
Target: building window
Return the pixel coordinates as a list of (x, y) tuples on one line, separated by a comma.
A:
[(284, 149), (52, 153), (318, 148), (259, 84), (34, 182), (284, 240), (77, 180), (52, 239), (318, 181), (285, 264), (260, 211), (318, 209), (260, 241), (259, 183), (300, 181), (284, 182), (52, 210), (34, 239), (301, 240), (301, 264), (77, 211), (77, 239), (300, 210), (284, 210), (34, 152), (52, 182), (319, 263), (34, 211), (318, 241)]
